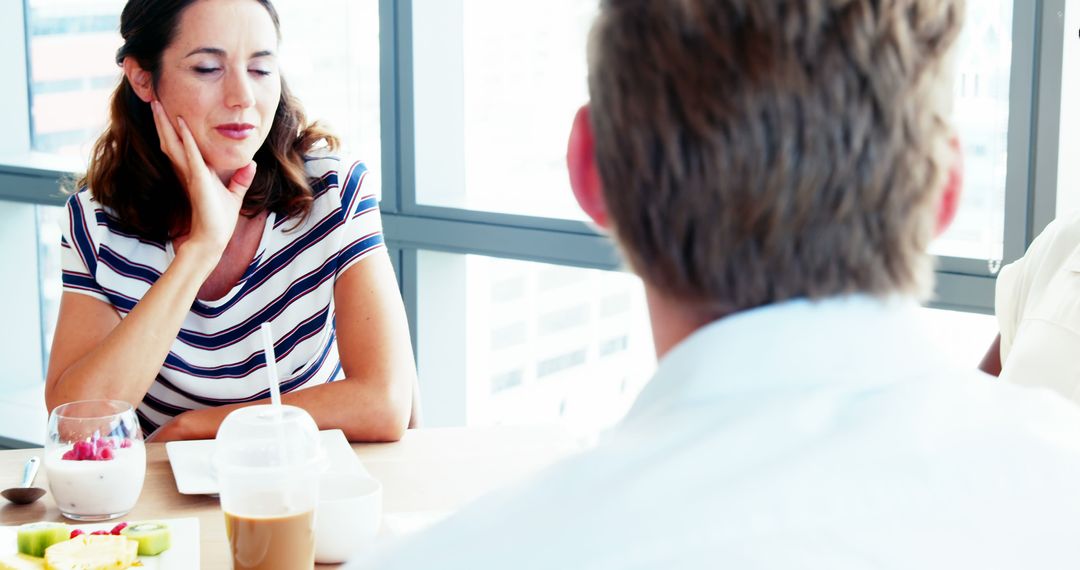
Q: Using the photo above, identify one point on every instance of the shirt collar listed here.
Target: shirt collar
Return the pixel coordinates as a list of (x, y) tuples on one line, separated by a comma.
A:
[(854, 341)]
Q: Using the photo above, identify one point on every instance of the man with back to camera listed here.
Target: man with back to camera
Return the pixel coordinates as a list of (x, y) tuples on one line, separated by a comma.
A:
[(774, 171)]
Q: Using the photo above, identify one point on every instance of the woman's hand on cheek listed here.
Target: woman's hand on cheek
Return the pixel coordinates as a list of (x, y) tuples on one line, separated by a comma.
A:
[(214, 207)]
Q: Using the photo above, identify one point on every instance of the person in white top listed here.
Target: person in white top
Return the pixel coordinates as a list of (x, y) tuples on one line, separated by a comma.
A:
[(1038, 313), (774, 170)]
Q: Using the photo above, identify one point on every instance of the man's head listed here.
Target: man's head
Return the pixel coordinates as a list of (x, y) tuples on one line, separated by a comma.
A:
[(746, 152)]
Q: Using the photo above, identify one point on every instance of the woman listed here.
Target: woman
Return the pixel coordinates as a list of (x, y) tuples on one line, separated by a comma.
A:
[(209, 207)]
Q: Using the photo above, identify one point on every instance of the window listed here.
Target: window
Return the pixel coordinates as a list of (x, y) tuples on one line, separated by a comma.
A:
[(1068, 190), (981, 115), (73, 44), (575, 356), (495, 100)]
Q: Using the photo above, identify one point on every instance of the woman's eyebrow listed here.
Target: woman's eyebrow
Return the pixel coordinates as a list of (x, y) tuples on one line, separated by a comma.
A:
[(220, 52)]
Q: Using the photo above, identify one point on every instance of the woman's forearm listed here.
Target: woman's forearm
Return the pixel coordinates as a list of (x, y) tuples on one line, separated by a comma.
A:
[(364, 410), (125, 363)]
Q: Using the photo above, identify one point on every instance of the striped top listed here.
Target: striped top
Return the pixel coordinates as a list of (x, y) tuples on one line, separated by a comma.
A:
[(217, 357)]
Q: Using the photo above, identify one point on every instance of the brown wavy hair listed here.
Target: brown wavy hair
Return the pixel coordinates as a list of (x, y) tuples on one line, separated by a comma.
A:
[(130, 174), (754, 151)]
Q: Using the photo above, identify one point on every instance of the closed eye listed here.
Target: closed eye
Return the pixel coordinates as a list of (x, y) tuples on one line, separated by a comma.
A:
[(206, 70), (261, 72)]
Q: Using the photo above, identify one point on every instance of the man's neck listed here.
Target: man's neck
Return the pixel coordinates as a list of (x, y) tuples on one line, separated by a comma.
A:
[(672, 321)]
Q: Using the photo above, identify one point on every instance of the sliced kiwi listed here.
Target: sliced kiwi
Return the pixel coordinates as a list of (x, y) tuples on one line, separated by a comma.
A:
[(153, 537), (34, 538), (21, 562)]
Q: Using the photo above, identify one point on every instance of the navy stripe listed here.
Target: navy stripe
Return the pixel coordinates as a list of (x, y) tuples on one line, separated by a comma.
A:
[(105, 219), (148, 427), (80, 234), (352, 186), (296, 290), (78, 281), (366, 205), (276, 263), (162, 407), (358, 249), (285, 387), (127, 268), (121, 302), (255, 360)]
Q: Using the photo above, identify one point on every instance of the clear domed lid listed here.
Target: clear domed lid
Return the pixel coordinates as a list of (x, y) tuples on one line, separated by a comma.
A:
[(268, 437)]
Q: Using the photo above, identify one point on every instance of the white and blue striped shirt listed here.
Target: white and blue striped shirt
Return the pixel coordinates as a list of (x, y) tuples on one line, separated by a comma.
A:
[(217, 357)]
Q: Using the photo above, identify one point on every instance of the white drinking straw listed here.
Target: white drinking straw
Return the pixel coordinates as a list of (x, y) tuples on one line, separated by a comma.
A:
[(271, 364)]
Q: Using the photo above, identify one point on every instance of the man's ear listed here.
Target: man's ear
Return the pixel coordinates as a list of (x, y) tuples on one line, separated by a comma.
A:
[(141, 80), (954, 184), (581, 162)]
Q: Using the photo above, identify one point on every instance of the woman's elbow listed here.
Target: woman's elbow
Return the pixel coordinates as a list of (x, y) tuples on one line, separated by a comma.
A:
[(387, 420)]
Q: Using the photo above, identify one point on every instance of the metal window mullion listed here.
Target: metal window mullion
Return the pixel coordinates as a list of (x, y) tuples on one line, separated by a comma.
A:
[(388, 105), (405, 127), (1046, 116), (1022, 118)]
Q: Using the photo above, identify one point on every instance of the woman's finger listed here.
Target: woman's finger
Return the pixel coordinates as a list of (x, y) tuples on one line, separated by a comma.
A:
[(195, 162), (170, 142)]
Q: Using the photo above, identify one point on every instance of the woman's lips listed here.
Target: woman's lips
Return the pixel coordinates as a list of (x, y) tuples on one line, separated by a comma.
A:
[(236, 131)]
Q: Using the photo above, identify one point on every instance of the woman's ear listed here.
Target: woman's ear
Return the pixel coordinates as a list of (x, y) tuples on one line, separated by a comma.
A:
[(581, 162), (141, 80)]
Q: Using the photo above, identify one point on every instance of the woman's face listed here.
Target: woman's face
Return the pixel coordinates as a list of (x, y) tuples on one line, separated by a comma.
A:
[(221, 75)]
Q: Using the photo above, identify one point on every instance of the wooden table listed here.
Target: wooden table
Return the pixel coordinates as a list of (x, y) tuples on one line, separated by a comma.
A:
[(428, 472)]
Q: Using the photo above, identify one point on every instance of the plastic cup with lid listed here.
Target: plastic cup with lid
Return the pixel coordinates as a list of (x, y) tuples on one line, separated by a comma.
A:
[(268, 461)]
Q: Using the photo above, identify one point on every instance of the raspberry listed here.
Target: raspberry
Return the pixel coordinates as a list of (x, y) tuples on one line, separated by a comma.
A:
[(116, 529), (104, 454), (70, 455), (76, 532), (83, 450), (97, 532), (125, 443)]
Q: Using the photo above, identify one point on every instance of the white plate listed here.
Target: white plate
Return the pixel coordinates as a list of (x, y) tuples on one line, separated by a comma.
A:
[(183, 555), (190, 461)]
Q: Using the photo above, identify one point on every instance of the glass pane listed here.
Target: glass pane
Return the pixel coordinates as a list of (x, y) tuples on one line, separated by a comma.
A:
[(981, 114), (541, 343), (494, 102), (1068, 199), (492, 125), (331, 63), (72, 73), (48, 222)]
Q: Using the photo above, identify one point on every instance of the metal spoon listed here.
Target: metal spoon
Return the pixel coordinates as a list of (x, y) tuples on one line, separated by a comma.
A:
[(24, 494)]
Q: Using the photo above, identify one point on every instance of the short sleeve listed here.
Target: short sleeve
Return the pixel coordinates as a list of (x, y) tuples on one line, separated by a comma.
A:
[(78, 250), (361, 231)]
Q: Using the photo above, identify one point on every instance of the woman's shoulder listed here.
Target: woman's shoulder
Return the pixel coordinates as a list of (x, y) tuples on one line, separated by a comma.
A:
[(335, 177), (322, 162)]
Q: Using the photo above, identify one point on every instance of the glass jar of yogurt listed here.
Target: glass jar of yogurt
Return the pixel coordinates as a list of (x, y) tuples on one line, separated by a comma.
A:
[(95, 459)]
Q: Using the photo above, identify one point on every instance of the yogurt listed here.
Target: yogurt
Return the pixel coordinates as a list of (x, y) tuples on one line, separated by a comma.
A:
[(97, 490)]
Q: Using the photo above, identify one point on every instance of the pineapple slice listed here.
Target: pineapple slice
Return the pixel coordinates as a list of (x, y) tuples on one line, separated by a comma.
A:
[(92, 552), (21, 562)]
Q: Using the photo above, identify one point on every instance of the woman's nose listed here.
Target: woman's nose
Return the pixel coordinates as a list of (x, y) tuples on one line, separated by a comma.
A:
[(238, 91)]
